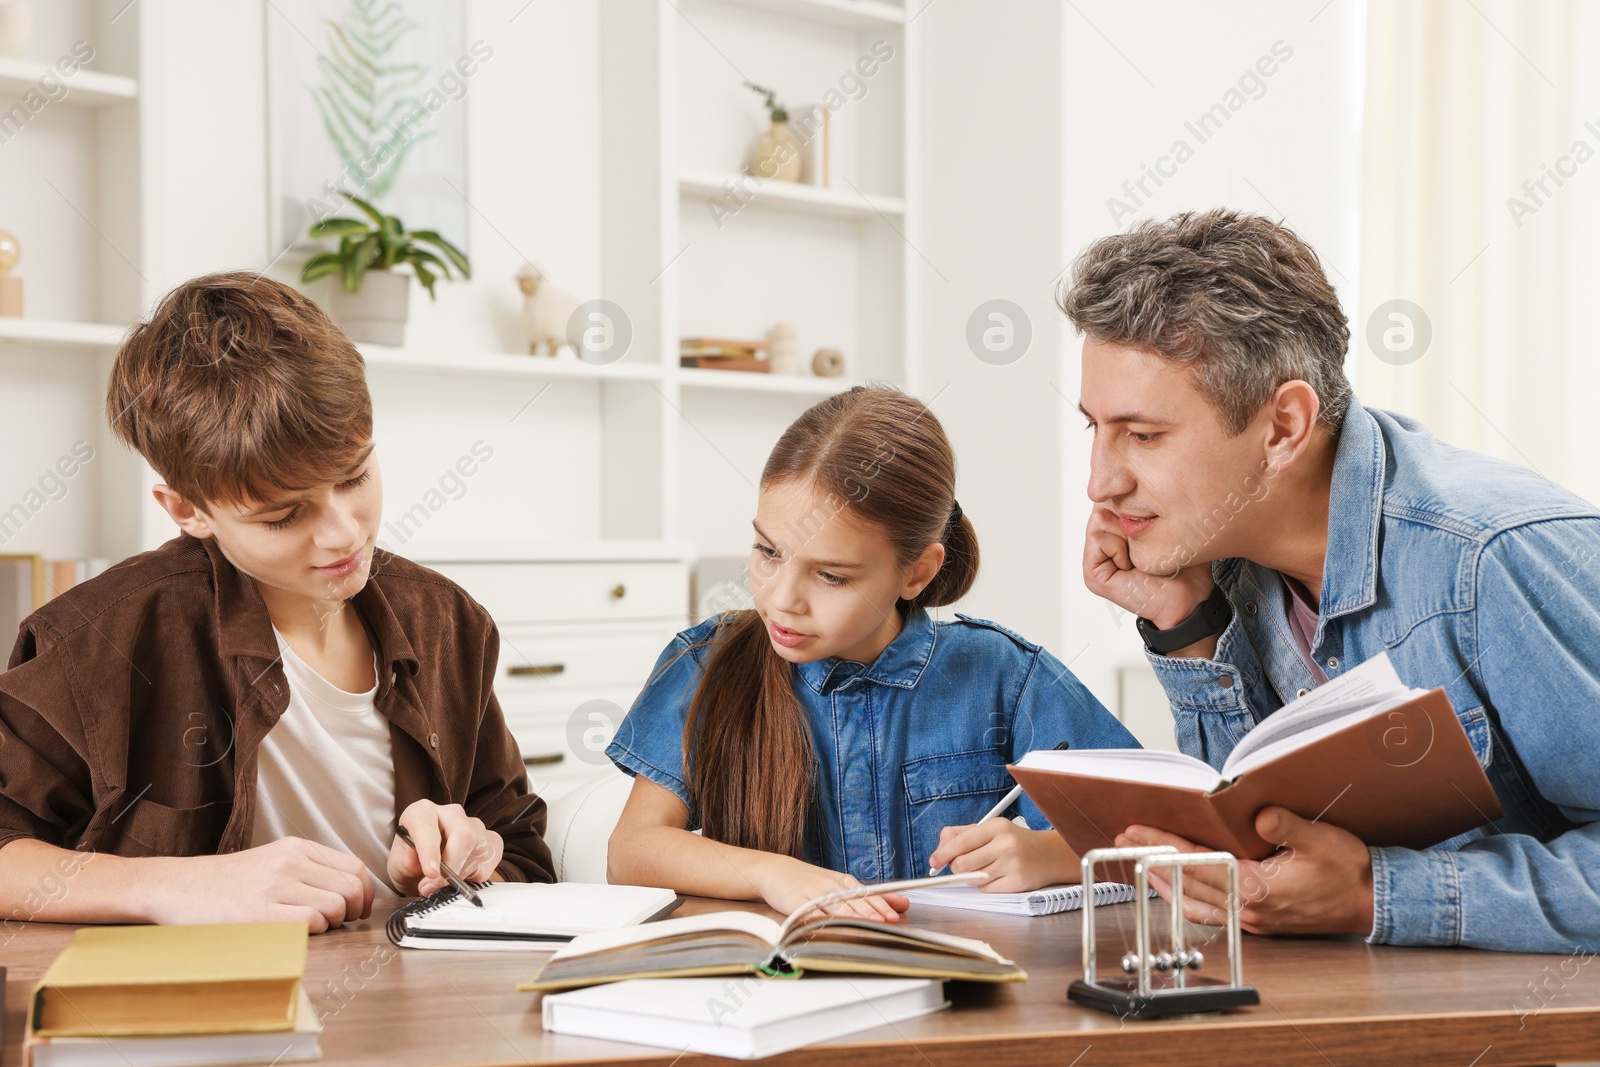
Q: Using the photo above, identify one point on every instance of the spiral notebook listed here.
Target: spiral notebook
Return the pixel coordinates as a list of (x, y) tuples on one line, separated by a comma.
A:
[(530, 916), (1046, 901)]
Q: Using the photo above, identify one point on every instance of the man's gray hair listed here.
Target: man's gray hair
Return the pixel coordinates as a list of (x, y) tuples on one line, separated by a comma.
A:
[(1238, 297)]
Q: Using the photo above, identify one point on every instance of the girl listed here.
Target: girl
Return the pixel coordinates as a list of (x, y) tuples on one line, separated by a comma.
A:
[(836, 734)]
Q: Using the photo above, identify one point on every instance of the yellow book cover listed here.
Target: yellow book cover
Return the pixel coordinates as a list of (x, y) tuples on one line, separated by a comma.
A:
[(172, 980)]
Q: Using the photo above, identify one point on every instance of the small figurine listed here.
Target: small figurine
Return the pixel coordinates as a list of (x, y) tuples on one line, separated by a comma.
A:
[(545, 311), (10, 286)]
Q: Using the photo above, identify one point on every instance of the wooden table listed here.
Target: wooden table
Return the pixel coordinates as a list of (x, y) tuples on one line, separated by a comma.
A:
[(1323, 1002)]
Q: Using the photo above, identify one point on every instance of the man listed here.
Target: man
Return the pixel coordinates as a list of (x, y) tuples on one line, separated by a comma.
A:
[(1271, 533)]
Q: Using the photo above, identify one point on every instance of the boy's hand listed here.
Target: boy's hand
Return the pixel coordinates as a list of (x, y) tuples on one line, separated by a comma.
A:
[(471, 849), (788, 883), (1015, 858), (290, 879)]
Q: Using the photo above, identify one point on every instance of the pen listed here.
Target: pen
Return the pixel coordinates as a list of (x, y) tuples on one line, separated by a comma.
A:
[(1008, 800), (466, 891)]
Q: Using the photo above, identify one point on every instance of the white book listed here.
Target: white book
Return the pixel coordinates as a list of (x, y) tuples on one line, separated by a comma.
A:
[(185, 1050), (741, 1017), (536, 916), (1047, 901)]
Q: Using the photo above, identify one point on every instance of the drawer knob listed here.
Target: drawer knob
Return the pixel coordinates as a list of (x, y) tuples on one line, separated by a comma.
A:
[(543, 761), (535, 670), (619, 591)]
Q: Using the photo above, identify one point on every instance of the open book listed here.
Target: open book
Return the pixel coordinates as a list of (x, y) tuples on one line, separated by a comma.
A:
[(1363, 752), (742, 942)]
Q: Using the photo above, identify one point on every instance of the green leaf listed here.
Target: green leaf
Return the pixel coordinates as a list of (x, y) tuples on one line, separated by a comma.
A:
[(338, 228), (426, 277), (422, 257), (456, 256), (321, 266), (371, 212)]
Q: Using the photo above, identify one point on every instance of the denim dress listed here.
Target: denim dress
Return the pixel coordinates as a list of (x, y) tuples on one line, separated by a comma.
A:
[(906, 745)]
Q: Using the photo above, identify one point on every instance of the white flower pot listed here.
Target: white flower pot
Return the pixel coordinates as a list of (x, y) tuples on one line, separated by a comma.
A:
[(376, 313)]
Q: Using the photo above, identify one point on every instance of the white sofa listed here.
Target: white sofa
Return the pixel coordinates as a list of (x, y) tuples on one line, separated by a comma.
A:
[(580, 825)]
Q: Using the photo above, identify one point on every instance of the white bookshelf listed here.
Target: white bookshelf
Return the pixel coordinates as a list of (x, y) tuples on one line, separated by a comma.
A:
[(792, 196), (53, 333), (85, 87)]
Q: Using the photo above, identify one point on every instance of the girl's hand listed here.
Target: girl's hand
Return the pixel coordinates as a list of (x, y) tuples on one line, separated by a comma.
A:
[(789, 883), (1015, 858), (471, 849)]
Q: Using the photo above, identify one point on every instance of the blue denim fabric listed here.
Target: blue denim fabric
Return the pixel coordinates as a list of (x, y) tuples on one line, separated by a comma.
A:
[(1477, 576), (913, 742)]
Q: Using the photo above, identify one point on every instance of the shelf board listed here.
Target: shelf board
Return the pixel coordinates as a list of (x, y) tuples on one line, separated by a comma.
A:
[(87, 87), (511, 363), (850, 14), (791, 196), (605, 550), (749, 381), (55, 332)]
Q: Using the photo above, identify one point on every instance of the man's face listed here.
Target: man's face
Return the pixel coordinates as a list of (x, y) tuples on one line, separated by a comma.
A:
[(1181, 487), (316, 544)]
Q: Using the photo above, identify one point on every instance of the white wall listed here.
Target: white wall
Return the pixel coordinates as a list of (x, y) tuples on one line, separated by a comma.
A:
[(1134, 74)]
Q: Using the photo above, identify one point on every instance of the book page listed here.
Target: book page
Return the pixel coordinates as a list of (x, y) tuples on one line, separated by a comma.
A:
[(1352, 694), (1127, 765), (740, 922)]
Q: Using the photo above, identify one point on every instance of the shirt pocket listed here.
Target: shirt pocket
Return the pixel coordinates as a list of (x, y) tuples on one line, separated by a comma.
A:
[(951, 790), (150, 829)]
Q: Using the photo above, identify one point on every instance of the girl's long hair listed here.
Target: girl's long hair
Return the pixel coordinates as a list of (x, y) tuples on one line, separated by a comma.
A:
[(882, 455)]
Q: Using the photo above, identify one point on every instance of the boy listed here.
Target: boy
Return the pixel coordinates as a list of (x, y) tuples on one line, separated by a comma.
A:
[(231, 726)]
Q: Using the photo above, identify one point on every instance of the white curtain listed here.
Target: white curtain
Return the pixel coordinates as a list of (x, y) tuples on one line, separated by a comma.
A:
[(1481, 206)]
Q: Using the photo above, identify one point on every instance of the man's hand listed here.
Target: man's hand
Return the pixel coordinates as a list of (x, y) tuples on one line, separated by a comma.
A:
[(1015, 858), (1318, 882), (470, 848), (290, 879), (1108, 571)]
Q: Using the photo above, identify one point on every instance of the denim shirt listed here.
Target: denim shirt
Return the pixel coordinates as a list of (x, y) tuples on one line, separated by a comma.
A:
[(1477, 576), (911, 743)]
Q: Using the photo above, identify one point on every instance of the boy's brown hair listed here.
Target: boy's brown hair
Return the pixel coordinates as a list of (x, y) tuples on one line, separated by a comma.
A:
[(239, 388)]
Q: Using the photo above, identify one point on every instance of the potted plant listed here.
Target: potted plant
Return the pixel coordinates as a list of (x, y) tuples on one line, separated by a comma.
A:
[(371, 301), (777, 153)]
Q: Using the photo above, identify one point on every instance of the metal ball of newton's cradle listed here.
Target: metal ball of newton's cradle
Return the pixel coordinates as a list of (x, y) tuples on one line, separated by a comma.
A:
[(1190, 958)]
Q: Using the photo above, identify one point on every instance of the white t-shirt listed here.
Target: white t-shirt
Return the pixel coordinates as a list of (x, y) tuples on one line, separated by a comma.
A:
[(325, 771)]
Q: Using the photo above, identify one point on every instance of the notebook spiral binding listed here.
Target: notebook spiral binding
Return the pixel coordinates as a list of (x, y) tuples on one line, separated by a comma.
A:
[(1104, 893), (395, 926)]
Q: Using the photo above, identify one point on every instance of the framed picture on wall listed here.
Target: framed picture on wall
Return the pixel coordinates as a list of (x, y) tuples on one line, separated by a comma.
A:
[(368, 97)]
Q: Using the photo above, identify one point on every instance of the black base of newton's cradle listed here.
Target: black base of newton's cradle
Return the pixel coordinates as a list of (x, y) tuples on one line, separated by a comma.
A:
[(1121, 998)]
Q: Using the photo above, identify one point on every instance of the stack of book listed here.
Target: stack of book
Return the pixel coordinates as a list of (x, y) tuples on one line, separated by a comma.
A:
[(150, 996), (722, 353)]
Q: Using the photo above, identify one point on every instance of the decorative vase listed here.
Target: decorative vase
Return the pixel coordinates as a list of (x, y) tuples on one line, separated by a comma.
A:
[(375, 313), (16, 27), (783, 351), (777, 155)]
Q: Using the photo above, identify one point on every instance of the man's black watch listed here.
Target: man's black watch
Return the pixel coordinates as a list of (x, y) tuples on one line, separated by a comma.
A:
[(1210, 618)]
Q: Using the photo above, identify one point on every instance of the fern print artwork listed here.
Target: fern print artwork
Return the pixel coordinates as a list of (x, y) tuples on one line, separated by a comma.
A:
[(368, 98)]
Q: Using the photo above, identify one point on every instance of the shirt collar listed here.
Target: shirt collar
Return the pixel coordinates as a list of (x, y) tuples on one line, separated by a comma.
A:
[(245, 629), (1355, 508), (901, 664)]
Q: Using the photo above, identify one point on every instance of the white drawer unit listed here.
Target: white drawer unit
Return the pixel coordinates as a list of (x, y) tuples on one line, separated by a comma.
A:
[(575, 592), (578, 640)]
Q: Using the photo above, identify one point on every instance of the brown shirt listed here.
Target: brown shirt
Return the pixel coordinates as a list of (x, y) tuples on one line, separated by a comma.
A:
[(135, 704)]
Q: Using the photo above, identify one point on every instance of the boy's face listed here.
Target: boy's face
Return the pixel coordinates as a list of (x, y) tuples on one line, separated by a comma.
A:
[(316, 545), (1163, 462), (824, 582)]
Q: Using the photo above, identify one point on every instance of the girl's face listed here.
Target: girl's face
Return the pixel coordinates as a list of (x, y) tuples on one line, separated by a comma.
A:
[(825, 582)]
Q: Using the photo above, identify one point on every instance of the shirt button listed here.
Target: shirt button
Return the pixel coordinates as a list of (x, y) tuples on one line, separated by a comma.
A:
[(1225, 680), (433, 740), (1249, 607), (1301, 692), (1333, 663)]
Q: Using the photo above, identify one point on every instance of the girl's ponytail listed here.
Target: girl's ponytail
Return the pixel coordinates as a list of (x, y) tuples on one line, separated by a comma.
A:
[(960, 568)]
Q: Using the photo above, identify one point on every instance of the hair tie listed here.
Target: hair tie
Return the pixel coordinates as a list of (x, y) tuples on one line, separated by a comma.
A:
[(955, 513)]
